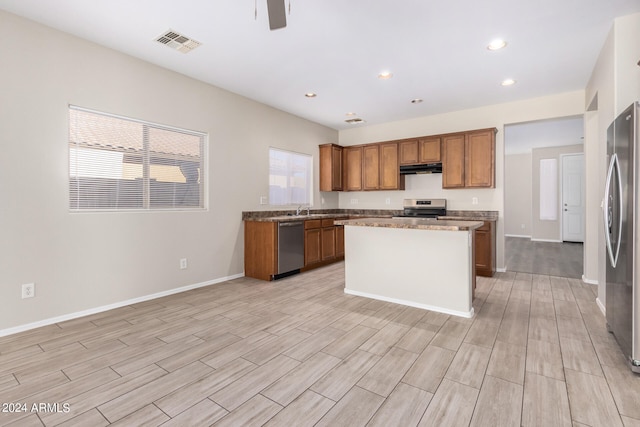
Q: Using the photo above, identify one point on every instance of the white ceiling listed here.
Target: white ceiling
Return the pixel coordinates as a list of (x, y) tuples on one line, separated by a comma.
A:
[(436, 50)]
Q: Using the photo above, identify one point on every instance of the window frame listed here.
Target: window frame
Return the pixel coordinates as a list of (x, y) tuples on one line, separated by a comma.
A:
[(146, 165)]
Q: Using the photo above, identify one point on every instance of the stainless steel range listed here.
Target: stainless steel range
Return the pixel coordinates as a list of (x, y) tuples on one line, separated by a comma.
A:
[(424, 208)]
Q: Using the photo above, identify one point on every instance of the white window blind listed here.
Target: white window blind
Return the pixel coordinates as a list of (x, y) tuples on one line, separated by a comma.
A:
[(290, 178), (116, 163)]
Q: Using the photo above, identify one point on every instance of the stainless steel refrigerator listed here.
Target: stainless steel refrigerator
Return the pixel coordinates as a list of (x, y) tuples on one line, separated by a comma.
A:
[(621, 224)]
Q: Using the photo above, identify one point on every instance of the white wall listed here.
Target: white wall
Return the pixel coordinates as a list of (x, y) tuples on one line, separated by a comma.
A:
[(517, 195), (83, 261), (615, 81), (499, 115)]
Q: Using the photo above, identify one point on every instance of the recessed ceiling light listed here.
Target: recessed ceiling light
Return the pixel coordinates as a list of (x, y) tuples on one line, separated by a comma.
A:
[(497, 44), (349, 114), (508, 82), (310, 95), (416, 101), (384, 75)]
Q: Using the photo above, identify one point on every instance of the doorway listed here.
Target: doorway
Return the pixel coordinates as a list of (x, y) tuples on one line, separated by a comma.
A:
[(539, 237), (572, 197)]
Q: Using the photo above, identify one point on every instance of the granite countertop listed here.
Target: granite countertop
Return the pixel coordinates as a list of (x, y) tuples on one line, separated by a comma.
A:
[(414, 223), (470, 216), (287, 216), (302, 217)]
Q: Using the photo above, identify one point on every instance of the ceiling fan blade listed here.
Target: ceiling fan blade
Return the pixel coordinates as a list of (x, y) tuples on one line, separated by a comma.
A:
[(277, 15)]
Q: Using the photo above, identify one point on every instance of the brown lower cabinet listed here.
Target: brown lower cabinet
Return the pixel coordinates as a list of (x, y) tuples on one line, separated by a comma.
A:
[(339, 241), (328, 240), (260, 249), (323, 244), (485, 246), (312, 246)]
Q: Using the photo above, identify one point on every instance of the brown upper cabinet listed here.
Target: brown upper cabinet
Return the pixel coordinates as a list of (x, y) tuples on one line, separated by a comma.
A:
[(353, 168), (331, 167), (390, 178), (468, 159), (420, 151), (371, 169), (453, 161), (480, 156), (381, 170)]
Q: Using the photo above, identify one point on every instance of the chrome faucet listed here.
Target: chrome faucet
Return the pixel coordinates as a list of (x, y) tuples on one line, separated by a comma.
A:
[(300, 208)]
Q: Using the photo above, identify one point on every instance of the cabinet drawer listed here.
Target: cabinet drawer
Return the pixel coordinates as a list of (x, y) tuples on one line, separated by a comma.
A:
[(312, 223), (485, 227), (327, 222)]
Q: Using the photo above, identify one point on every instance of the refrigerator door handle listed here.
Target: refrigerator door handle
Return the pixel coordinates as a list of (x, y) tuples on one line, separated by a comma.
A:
[(608, 210)]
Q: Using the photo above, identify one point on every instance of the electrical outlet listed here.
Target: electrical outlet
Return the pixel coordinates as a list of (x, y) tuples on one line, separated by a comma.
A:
[(263, 200), (387, 200), (183, 264), (474, 201), (522, 226), (28, 290), (322, 200)]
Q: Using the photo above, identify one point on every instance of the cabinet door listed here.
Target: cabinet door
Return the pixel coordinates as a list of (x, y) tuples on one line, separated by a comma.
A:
[(480, 159), (312, 246), (429, 150), (371, 174), (330, 167), (390, 178), (260, 249), (483, 250), (328, 243), (353, 168), (485, 246), (339, 240), (336, 168), (409, 152), (453, 161)]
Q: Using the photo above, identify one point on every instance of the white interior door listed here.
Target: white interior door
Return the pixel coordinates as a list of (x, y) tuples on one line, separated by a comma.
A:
[(573, 197)]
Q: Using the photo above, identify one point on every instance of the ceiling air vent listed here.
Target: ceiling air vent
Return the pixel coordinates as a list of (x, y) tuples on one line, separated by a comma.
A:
[(178, 41), (354, 121)]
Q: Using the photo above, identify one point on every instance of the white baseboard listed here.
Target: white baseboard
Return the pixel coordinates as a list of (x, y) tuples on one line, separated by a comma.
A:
[(71, 316), (501, 270), (546, 240), (603, 309), (589, 281), (467, 314), (522, 236)]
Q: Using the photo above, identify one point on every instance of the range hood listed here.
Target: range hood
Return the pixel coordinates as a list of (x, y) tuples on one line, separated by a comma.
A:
[(420, 169)]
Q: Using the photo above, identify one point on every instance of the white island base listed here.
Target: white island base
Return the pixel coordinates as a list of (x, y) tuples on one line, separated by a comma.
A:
[(429, 269)]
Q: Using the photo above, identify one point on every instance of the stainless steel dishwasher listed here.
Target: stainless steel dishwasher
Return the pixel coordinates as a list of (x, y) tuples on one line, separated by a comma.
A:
[(290, 248)]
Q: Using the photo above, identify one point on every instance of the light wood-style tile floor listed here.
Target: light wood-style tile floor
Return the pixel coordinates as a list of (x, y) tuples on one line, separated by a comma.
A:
[(548, 258), (299, 352)]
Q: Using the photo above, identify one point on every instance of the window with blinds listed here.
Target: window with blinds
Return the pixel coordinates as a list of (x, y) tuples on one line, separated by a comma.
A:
[(290, 178), (117, 163)]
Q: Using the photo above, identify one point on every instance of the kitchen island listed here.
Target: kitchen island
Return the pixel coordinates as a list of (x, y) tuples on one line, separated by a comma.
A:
[(424, 263)]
